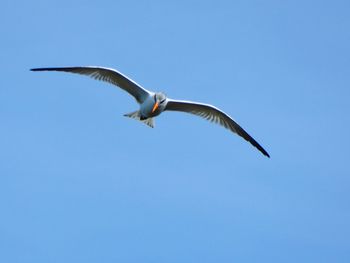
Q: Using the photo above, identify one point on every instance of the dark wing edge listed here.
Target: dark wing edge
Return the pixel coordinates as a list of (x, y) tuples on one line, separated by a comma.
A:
[(108, 75), (215, 115)]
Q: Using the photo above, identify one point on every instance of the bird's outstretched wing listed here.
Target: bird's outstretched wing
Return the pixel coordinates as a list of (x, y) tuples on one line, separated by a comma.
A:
[(213, 114), (109, 75)]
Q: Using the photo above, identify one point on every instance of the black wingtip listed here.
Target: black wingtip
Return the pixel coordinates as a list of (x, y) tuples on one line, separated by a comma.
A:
[(263, 151), (36, 69), (259, 147), (39, 69)]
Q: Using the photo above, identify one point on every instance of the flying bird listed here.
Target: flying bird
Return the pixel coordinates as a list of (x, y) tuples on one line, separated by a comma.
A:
[(154, 103)]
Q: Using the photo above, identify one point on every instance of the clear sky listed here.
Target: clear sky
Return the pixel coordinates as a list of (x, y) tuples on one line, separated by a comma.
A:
[(81, 183)]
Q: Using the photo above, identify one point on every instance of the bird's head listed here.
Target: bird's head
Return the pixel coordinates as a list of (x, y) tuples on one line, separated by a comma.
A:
[(160, 100)]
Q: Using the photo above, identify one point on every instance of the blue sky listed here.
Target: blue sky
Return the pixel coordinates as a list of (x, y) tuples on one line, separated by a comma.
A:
[(81, 183)]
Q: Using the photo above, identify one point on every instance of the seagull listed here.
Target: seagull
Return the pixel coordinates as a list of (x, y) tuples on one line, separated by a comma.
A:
[(154, 103)]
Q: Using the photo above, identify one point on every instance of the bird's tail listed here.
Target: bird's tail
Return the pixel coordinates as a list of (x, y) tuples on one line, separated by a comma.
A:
[(136, 115)]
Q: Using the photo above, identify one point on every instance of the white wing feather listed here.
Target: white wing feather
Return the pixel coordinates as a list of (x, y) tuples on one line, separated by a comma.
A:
[(108, 75), (213, 114)]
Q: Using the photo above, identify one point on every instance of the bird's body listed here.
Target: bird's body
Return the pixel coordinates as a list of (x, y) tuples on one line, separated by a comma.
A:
[(154, 103)]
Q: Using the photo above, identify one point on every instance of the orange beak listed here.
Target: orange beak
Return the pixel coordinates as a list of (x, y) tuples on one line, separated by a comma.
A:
[(155, 107)]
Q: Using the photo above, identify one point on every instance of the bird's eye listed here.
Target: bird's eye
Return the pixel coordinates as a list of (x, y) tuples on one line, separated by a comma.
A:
[(162, 101)]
